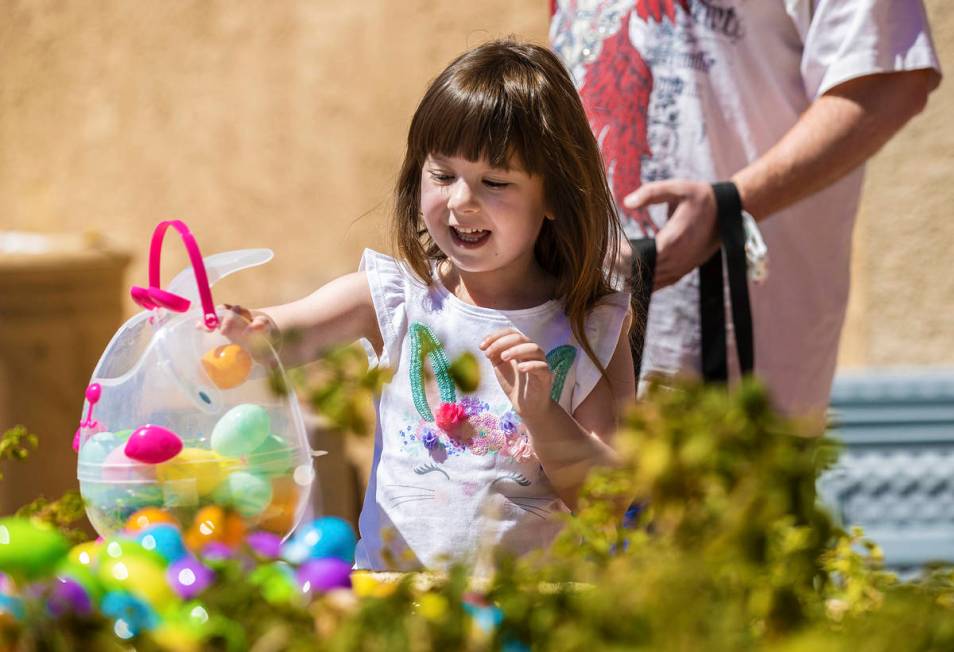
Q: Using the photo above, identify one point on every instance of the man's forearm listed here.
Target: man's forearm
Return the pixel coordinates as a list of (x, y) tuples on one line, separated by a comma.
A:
[(836, 134)]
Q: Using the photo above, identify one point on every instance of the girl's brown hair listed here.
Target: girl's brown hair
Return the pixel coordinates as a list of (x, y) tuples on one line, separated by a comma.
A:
[(504, 100)]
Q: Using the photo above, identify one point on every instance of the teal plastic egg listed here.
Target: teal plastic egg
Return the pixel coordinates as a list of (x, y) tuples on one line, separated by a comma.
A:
[(95, 450), (241, 430), (132, 615)]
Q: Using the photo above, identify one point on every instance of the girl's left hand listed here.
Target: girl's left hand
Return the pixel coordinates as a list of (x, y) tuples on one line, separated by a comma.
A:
[(522, 370)]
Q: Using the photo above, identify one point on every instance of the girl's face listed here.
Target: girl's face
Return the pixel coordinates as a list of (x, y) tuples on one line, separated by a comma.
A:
[(483, 218)]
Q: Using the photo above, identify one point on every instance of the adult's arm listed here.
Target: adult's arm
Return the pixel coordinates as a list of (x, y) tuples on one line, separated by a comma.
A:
[(838, 132)]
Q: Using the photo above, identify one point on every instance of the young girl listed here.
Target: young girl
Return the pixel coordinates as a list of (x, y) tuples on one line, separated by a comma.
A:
[(502, 222)]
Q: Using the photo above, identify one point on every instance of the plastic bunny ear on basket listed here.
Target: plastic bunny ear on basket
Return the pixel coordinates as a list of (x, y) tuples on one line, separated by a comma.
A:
[(217, 267)]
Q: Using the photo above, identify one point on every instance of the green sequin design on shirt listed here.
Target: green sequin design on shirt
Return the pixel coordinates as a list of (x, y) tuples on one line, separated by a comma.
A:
[(560, 360), (425, 344)]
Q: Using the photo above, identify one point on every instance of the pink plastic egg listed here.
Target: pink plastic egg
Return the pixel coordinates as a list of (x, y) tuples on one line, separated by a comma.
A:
[(153, 445)]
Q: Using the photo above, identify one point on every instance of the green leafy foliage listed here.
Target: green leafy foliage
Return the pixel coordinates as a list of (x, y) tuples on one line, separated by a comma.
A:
[(16, 444), (730, 551)]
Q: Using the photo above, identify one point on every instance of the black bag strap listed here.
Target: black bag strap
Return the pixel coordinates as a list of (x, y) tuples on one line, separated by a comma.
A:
[(711, 292)]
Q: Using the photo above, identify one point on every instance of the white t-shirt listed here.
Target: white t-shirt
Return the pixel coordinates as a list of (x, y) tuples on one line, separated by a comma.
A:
[(697, 89), (456, 473)]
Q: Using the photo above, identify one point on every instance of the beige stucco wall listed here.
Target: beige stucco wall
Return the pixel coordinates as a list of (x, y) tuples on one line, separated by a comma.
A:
[(902, 304), (280, 124), (261, 124)]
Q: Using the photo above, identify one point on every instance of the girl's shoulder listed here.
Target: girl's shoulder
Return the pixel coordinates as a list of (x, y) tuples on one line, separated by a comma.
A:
[(611, 308)]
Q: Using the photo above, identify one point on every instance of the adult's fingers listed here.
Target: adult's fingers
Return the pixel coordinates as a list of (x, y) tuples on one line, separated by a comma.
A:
[(655, 192)]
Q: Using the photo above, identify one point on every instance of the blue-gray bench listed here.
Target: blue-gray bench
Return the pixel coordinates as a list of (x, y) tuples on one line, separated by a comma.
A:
[(895, 475)]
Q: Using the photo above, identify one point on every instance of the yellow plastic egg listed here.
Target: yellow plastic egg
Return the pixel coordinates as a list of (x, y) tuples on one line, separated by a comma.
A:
[(85, 554), (198, 467), (139, 576)]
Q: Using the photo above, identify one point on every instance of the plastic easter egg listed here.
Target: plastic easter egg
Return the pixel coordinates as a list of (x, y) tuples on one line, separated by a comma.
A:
[(97, 448), (82, 575), (241, 430), (132, 615), (227, 366), (277, 583), (369, 585), (122, 548), (265, 544), (188, 577), (195, 469), (324, 537), (85, 554), (164, 539), (272, 458), (30, 548), (217, 552), (66, 595), (13, 606), (120, 468), (138, 576), (247, 493), (282, 513), (149, 516), (214, 524), (152, 445), (321, 575), (182, 628)]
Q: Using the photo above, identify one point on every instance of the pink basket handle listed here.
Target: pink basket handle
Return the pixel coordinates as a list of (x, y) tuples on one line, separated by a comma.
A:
[(209, 317)]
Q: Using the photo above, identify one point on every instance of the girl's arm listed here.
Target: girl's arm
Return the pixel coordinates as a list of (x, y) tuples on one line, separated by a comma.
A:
[(335, 314), (568, 447)]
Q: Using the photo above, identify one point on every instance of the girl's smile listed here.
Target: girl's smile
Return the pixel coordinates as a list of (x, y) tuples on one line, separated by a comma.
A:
[(469, 238), (486, 220)]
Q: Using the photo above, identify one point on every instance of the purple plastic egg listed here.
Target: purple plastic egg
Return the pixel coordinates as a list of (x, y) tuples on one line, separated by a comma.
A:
[(188, 577), (68, 596), (320, 575), (152, 445), (217, 551), (265, 544)]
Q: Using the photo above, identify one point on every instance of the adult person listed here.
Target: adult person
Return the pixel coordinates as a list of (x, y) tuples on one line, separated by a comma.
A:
[(787, 100)]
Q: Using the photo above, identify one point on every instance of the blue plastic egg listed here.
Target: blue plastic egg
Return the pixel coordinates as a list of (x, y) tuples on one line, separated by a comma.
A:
[(164, 539), (324, 537)]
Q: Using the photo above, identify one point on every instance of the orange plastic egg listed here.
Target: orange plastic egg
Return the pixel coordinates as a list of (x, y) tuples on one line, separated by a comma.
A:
[(215, 525), (279, 516), (228, 365), (147, 517)]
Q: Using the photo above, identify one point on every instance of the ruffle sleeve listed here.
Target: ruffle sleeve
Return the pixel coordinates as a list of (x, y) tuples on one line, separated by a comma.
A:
[(388, 283), (603, 327)]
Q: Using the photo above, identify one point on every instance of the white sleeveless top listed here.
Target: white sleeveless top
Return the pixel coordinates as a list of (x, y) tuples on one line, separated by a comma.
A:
[(455, 472)]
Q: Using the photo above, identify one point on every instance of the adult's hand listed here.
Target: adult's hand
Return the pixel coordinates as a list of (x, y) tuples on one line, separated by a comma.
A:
[(691, 234)]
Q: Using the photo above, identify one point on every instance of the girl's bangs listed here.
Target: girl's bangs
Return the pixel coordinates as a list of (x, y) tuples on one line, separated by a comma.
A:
[(477, 123)]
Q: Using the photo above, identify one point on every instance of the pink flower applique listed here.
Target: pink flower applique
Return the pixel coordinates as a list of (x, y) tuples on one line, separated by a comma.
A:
[(522, 450), (449, 416)]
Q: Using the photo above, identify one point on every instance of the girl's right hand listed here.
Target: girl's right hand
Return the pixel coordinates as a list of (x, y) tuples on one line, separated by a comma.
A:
[(254, 331)]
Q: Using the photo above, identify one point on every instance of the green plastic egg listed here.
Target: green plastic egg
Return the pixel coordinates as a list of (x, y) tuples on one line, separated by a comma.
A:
[(247, 493), (30, 548), (241, 430), (272, 458)]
